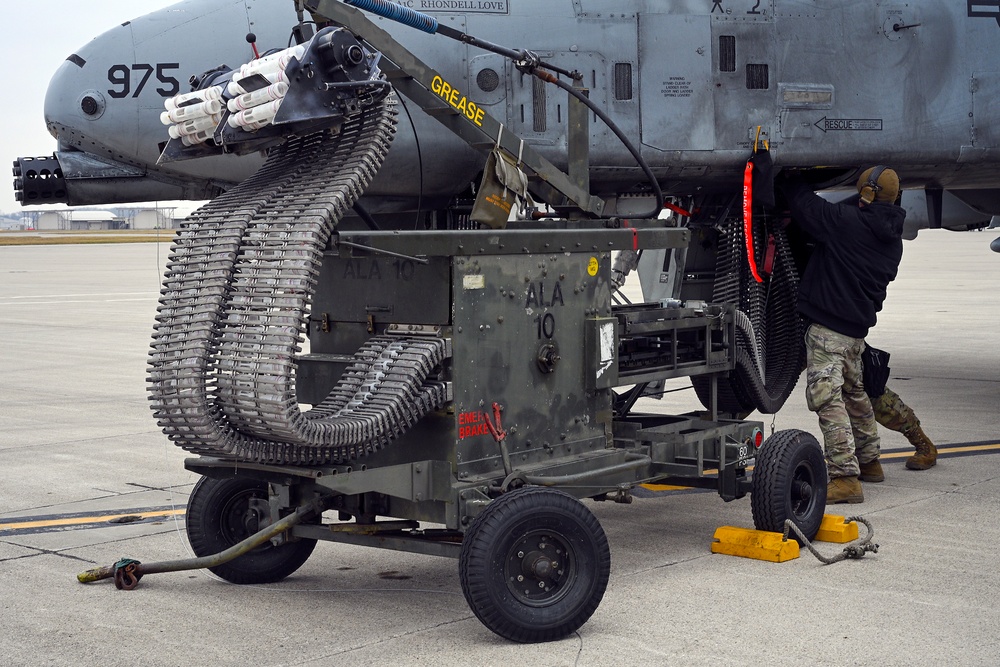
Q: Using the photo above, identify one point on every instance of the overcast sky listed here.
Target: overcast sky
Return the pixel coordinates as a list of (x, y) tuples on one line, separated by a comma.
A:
[(35, 37)]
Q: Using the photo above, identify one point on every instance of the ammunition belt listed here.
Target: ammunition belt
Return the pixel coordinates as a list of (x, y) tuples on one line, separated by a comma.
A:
[(233, 312), (770, 352)]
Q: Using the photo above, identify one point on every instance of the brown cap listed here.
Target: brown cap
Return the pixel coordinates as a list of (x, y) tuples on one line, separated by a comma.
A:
[(888, 183)]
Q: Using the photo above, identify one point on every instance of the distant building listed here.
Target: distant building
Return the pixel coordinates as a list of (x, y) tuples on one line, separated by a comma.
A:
[(154, 218), (77, 220), (12, 223), (108, 219)]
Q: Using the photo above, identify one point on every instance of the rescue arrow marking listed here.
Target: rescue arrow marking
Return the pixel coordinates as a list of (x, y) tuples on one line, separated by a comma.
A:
[(984, 9), (836, 124)]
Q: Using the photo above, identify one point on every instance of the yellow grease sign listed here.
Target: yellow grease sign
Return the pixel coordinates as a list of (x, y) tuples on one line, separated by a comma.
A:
[(457, 100)]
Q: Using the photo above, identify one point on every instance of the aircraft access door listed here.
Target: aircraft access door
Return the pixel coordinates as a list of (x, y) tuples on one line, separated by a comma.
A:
[(678, 111)]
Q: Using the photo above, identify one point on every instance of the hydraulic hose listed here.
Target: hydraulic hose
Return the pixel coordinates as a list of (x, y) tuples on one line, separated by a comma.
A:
[(399, 13)]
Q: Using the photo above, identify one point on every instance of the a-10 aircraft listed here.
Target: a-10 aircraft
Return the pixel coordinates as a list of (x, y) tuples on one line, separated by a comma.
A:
[(491, 358), (831, 87)]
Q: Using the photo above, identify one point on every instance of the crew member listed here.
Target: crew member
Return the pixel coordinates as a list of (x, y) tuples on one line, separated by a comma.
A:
[(856, 256), (892, 413)]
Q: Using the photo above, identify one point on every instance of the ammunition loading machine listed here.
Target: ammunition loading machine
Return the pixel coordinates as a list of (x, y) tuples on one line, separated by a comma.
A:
[(460, 378)]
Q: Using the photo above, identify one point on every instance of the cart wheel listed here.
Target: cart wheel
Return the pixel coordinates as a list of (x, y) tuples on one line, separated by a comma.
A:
[(534, 565), (789, 482), (223, 512)]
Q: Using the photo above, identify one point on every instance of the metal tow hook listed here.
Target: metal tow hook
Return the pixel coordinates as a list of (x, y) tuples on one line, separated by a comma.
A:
[(127, 572), (127, 575)]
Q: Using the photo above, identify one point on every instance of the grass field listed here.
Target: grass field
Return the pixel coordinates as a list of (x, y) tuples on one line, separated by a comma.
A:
[(63, 238)]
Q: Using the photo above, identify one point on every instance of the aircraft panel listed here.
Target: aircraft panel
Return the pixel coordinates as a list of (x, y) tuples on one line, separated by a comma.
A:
[(743, 11), (490, 73), (744, 75), (985, 92), (673, 82)]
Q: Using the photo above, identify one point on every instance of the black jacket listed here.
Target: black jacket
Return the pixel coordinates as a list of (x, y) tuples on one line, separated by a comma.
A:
[(857, 253)]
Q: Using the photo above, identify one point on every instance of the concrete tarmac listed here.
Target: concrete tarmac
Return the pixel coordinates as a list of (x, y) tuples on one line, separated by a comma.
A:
[(78, 446)]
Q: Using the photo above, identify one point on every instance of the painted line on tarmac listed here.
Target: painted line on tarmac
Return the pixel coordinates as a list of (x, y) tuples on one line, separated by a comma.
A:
[(960, 449), (58, 522), (945, 451)]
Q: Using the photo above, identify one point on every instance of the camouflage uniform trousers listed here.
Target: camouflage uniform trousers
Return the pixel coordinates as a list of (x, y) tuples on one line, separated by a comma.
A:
[(892, 413), (836, 393)]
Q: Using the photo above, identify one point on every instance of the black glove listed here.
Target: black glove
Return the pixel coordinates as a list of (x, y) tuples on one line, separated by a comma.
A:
[(763, 178), (788, 179)]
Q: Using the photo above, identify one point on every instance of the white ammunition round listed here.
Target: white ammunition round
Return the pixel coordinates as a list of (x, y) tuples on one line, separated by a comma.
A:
[(255, 118), (275, 91), (195, 139), (194, 126), (213, 93), (235, 88), (180, 114)]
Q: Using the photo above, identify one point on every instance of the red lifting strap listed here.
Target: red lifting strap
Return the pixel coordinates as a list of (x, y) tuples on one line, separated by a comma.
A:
[(748, 218), (676, 209)]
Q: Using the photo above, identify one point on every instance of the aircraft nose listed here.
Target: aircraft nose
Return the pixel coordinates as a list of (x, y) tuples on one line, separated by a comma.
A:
[(71, 105), (40, 180), (76, 111)]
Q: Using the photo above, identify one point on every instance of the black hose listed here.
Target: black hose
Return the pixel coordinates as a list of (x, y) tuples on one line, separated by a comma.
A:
[(621, 137), (366, 217), (420, 164)]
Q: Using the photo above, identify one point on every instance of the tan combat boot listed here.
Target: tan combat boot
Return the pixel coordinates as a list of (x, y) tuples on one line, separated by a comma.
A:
[(926, 455), (844, 490), (871, 472)]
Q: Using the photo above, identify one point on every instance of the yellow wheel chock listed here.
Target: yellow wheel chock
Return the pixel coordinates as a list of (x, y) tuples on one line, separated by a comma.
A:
[(772, 547)]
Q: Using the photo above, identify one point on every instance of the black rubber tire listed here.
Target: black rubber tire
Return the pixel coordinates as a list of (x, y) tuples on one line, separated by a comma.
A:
[(495, 552), (789, 482), (219, 515)]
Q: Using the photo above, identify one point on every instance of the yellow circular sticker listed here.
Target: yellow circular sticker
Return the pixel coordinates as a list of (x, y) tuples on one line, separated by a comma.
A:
[(592, 266)]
